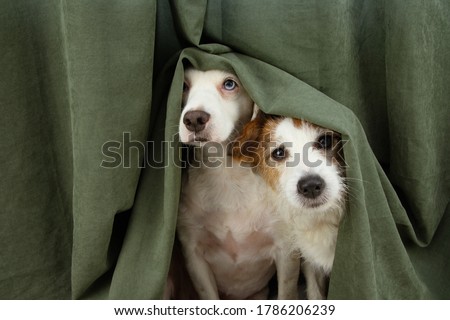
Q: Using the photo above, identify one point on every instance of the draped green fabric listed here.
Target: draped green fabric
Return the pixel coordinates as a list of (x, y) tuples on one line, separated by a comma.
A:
[(79, 76)]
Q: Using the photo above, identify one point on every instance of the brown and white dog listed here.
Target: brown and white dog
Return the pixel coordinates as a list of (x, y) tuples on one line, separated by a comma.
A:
[(303, 164), (226, 223)]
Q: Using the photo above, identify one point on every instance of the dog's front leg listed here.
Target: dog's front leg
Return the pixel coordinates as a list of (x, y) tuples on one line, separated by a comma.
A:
[(288, 270), (315, 282), (201, 274)]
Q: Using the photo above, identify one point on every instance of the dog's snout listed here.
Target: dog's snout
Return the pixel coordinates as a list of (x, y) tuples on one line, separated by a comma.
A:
[(196, 120), (311, 186)]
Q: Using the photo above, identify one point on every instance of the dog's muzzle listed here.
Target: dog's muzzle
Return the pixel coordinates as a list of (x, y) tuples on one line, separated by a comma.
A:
[(311, 186), (195, 121)]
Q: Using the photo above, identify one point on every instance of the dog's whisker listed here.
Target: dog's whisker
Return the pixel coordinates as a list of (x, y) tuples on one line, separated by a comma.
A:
[(353, 197), (357, 179)]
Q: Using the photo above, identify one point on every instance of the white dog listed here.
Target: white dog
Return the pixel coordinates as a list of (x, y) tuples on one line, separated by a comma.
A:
[(303, 163), (226, 222)]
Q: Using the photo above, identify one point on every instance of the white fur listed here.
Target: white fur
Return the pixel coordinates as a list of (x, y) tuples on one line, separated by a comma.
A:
[(226, 223)]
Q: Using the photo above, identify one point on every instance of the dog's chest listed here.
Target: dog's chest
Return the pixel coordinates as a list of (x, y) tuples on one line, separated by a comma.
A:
[(230, 211), (226, 193), (316, 239)]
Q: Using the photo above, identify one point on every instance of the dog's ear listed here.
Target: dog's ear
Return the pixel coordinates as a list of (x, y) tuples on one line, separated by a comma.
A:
[(256, 110), (245, 148)]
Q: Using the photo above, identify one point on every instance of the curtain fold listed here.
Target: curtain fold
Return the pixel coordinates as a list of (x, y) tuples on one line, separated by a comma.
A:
[(90, 96)]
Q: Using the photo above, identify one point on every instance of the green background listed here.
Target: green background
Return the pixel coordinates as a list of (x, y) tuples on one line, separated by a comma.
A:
[(77, 74)]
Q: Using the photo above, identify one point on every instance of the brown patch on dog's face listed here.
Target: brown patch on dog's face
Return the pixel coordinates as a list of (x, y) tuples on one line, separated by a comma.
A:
[(245, 146), (253, 146), (270, 174), (267, 168), (297, 122)]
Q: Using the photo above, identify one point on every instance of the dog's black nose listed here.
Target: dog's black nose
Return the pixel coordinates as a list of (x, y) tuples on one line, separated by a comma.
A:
[(310, 186), (196, 120)]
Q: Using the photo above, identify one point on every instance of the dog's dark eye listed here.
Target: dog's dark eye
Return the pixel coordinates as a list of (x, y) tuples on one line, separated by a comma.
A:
[(279, 154), (229, 84), (185, 87), (325, 141)]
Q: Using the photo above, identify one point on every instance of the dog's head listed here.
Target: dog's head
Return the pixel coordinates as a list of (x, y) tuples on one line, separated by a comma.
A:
[(215, 107), (301, 161)]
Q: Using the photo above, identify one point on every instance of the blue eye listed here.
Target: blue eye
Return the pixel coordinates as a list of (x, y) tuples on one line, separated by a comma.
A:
[(229, 84)]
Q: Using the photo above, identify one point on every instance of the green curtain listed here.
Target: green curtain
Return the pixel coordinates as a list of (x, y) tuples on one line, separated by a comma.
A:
[(77, 75)]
